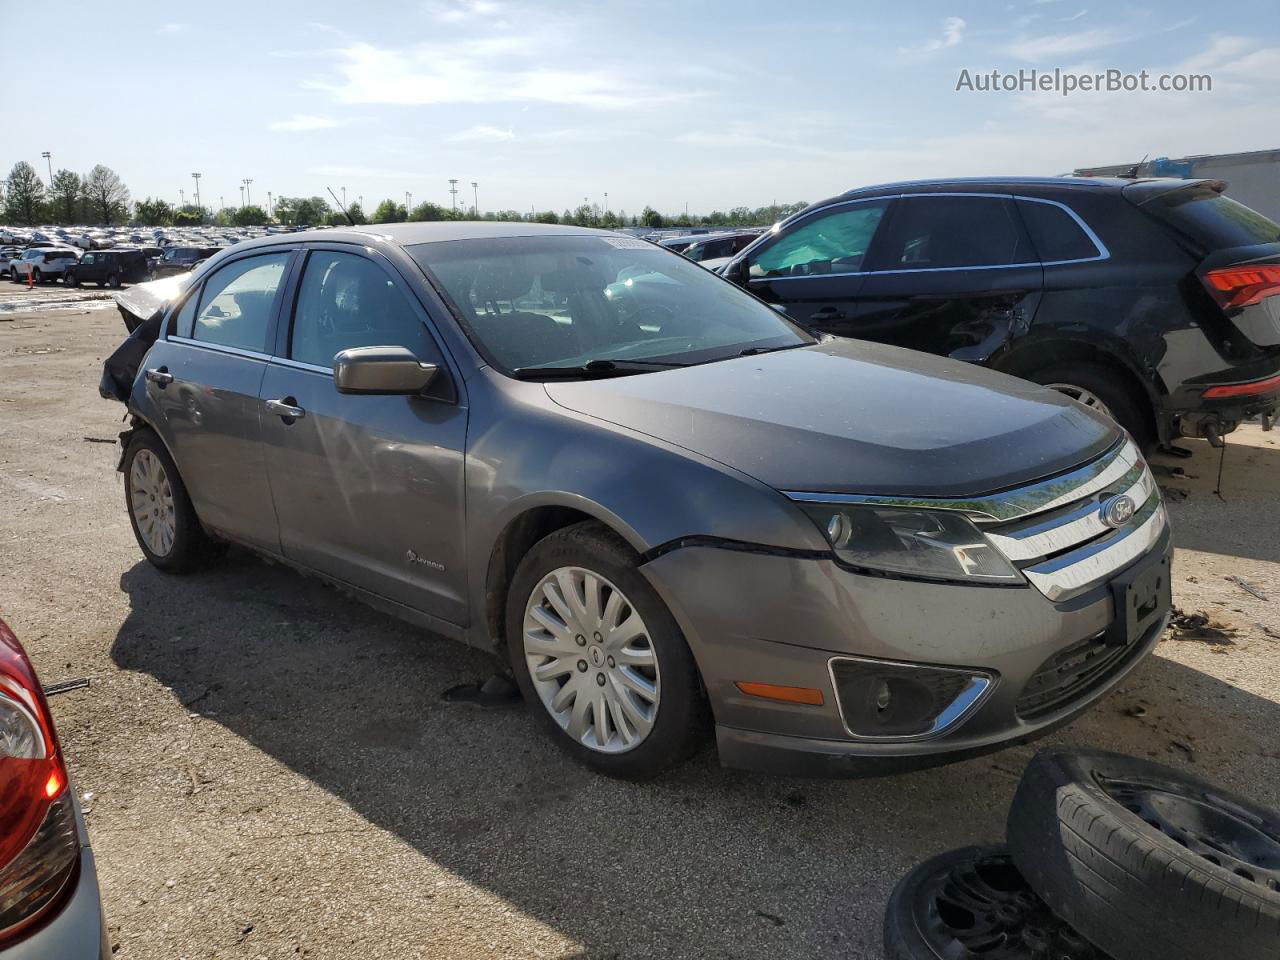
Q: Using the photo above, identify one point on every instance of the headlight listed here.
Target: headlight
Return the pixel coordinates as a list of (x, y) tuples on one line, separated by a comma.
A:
[(935, 544)]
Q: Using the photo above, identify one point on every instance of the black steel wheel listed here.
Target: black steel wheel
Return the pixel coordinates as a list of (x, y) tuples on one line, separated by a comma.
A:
[(973, 904), (1146, 861)]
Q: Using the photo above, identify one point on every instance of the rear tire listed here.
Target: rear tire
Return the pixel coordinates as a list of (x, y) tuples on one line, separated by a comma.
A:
[(1145, 861), (160, 511), (1122, 401), (603, 659)]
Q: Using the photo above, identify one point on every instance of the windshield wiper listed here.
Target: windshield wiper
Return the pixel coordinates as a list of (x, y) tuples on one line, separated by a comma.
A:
[(594, 369), (753, 351)]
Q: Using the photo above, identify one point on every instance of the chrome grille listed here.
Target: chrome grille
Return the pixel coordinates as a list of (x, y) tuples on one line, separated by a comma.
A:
[(1063, 545)]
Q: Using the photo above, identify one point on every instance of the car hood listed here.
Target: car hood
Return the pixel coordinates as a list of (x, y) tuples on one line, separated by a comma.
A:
[(845, 416)]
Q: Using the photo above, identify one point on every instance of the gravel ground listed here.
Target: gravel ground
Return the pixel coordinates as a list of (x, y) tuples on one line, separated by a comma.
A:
[(273, 773)]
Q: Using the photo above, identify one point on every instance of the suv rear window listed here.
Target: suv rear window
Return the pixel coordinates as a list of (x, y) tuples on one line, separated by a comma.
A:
[(1055, 233), (1212, 220)]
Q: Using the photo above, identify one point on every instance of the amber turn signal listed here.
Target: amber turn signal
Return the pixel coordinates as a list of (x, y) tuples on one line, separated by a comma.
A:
[(772, 691)]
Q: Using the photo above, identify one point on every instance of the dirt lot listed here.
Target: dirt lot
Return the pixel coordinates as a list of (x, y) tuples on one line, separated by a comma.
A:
[(273, 773)]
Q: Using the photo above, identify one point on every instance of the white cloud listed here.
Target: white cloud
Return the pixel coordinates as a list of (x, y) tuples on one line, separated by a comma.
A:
[(305, 121), (456, 11), (952, 34), (1035, 49), (482, 133), (1074, 17), (490, 69), (172, 28)]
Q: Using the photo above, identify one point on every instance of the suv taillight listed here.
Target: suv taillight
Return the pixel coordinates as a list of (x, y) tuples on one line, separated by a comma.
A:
[(1235, 287), (39, 848)]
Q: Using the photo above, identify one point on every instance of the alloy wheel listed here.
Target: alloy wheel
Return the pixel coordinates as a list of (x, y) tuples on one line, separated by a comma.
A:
[(979, 906), (151, 498), (1081, 395), (591, 660)]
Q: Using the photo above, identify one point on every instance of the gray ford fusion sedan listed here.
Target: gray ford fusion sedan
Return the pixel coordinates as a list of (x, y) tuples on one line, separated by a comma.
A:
[(669, 507)]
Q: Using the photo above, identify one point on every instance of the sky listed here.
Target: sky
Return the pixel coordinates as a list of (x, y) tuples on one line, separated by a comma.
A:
[(545, 104)]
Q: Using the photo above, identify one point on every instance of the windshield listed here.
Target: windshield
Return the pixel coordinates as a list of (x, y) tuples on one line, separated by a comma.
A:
[(566, 301)]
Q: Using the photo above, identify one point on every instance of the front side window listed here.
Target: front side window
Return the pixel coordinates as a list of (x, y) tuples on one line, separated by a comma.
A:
[(235, 305), (566, 301), (87, 258), (348, 301), (946, 232), (834, 242)]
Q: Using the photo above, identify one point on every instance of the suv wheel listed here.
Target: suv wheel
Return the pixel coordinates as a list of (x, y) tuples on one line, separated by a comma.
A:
[(13, 275), (70, 279), (599, 658), (163, 519), (36, 276), (1103, 390)]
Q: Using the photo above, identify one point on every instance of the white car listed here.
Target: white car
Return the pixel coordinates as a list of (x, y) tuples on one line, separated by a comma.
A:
[(43, 264)]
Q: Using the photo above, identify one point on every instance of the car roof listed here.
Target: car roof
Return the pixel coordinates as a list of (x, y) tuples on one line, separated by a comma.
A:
[(406, 234)]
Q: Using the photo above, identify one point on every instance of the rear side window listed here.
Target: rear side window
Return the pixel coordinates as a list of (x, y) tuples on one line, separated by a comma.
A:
[(834, 242), (946, 232), (1212, 220), (235, 305), (1056, 234), (86, 259), (347, 301)]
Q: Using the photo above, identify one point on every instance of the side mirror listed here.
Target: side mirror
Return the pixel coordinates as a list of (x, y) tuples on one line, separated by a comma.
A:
[(736, 272), (382, 370)]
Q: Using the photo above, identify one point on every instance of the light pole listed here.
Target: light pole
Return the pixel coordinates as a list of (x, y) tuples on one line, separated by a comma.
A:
[(344, 198), (242, 194), (475, 192), (408, 202), (248, 195), (453, 189), (196, 178), (606, 203), (268, 204), (49, 158), (182, 198)]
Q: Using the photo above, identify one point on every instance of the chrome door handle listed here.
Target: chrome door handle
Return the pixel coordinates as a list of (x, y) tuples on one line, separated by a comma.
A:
[(283, 408), (159, 375)]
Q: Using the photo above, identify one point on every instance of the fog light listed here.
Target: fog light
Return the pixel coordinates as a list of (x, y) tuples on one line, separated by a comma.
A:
[(882, 700)]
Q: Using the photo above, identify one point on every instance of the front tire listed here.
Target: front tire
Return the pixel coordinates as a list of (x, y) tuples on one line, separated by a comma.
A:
[(599, 658), (70, 280), (160, 511), (113, 282), (37, 277)]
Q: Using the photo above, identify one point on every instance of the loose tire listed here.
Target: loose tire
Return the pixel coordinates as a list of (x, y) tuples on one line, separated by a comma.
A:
[(973, 903), (1104, 390), (160, 512), (598, 657), (1147, 862)]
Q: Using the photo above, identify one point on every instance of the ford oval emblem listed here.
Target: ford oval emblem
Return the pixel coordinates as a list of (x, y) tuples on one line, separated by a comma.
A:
[(1117, 511)]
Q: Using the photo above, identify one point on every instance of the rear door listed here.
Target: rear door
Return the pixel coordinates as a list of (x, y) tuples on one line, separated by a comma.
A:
[(202, 384), (953, 274), (368, 489), (815, 269)]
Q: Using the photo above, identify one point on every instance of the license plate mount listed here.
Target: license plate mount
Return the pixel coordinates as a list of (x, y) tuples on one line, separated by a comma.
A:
[(1141, 597)]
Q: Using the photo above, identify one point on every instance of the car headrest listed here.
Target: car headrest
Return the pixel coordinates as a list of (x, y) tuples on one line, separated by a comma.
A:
[(502, 280)]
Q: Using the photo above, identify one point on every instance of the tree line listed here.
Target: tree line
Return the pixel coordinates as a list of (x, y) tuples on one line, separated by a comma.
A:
[(100, 197)]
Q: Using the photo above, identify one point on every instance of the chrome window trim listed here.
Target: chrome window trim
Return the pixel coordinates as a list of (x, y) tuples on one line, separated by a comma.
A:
[(300, 365), (1011, 504), (982, 684), (1103, 252), (220, 348)]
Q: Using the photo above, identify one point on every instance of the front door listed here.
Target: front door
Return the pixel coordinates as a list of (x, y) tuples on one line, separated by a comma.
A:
[(368, 489), (815, 269), (202, 385)]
